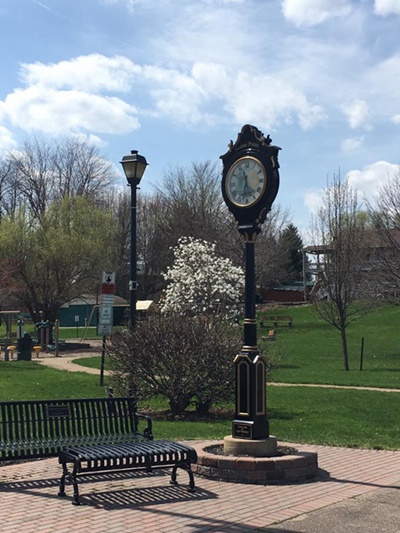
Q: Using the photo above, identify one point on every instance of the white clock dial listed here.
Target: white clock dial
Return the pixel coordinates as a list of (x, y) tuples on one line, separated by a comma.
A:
[(245, 181)]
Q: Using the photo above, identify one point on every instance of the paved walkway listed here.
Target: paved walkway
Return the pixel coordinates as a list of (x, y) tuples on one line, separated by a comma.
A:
[(358, 490), (65, 362)]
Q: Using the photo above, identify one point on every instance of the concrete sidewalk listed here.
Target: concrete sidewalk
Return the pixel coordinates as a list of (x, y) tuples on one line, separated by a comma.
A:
[(358, 490), (66, 362)]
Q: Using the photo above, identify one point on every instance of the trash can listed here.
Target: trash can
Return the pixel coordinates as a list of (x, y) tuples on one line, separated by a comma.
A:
[(24, 346)]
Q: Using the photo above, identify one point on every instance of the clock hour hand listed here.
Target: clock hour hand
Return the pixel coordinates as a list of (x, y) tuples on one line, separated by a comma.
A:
[(247, 190)]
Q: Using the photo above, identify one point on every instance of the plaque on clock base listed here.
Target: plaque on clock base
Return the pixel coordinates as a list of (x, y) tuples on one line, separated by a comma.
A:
[(250, 429)]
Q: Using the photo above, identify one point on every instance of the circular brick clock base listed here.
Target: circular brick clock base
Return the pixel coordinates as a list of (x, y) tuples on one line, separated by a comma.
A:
[(288, 466)]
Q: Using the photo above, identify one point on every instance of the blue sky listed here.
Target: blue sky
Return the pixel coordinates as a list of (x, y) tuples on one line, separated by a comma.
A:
[(177, 79)]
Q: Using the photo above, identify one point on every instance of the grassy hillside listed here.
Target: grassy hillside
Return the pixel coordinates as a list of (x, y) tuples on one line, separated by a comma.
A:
[(311, 349)]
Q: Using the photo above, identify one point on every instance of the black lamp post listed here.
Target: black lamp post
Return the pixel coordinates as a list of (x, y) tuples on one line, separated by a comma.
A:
[(134, 166)]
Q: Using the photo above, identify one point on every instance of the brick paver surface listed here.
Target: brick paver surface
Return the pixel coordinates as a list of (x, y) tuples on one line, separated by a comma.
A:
[(137, 502)]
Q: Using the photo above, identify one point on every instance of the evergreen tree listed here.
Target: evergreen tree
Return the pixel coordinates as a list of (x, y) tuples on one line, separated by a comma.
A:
[(292, 245)]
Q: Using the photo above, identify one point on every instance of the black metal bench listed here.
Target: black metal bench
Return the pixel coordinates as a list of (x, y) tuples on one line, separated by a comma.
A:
[(276, 320), (92, 435)]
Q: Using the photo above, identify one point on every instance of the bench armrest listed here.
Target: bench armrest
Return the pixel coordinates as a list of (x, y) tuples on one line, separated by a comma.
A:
[(147, 432)]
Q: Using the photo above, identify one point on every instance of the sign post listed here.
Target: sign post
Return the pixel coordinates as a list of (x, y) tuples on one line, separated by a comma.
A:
[(104, 327)]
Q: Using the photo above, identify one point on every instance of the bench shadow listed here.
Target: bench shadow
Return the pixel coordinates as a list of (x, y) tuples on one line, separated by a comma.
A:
[(141, 497), (114, 499)]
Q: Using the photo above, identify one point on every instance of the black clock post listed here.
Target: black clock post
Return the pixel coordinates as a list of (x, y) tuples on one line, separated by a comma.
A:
[(250, 182)]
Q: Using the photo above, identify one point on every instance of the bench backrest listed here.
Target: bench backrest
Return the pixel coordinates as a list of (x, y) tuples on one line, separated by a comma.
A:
[(43, 427)]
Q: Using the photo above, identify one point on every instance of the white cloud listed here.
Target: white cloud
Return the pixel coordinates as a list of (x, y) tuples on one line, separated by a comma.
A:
[(62, 111), (382, 81), (313, 12), (271, 101), (78, 95), (396, 119), (7, 141), (92, 73), (177, 95), (387, 7), (246, 97), (223, 2), (366, 182), (313, 200), (352, 143), (66, 96), (371, 177), (357, 113)]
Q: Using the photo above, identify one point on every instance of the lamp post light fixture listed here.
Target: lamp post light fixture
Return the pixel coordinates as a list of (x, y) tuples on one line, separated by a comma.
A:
[(134, 166)]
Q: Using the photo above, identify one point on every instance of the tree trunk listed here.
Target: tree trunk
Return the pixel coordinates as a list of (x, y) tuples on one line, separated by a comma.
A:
[(344, 348)]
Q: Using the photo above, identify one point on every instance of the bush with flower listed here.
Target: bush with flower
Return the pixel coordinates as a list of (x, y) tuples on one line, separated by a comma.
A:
[(186, 354), (201, 282)]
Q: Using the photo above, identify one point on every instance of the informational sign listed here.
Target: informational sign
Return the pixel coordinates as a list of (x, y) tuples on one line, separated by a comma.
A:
[(108, 278), (106, 304), (106, 314), (107, 288), (104, 329), (108, 283), (106, 299)]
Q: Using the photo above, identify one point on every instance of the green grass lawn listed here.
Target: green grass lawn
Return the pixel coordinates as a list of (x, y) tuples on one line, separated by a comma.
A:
[(65, 333), (92, 362), (28, 380), (315, 416), (312, 350), (76, 333), (297, 414)]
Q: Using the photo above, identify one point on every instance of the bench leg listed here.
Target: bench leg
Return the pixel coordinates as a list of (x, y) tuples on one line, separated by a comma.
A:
[(70, 476), (76, 500), (187, 468), (61, 491)]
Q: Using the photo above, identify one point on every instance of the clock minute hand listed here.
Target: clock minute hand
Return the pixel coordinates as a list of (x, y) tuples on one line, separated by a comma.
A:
[(245, 184)]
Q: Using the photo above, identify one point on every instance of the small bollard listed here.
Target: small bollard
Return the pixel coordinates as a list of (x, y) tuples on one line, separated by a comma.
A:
[(11, 349), (37, 350)]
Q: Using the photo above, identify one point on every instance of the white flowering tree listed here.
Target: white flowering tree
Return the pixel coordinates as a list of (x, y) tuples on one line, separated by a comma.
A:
[(200, 282)]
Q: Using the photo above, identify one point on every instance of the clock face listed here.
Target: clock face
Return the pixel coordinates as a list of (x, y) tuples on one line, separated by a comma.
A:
[(245, 181)]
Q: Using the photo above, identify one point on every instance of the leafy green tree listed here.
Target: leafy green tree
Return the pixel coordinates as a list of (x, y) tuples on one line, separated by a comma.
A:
[(57, 257)]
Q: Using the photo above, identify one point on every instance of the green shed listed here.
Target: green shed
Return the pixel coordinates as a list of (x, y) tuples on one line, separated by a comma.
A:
[(85, 311)]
